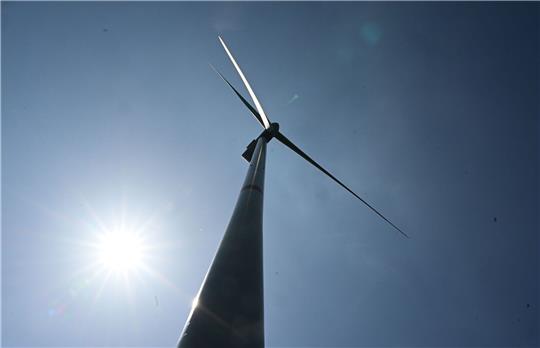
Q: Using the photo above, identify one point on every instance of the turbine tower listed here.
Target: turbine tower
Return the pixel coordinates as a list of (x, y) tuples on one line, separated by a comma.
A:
[(228, 311)]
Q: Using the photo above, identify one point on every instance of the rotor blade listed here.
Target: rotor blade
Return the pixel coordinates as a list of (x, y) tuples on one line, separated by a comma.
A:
[(246, 83), (246, 103), (293, 147)]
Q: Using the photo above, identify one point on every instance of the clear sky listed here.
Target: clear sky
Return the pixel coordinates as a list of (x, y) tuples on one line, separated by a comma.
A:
[(112, 119)]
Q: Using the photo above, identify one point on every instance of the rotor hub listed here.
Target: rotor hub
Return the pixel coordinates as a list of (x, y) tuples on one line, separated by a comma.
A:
[(273, 130)]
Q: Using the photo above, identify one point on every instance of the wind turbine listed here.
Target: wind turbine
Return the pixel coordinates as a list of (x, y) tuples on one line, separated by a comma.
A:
[(228, 310)]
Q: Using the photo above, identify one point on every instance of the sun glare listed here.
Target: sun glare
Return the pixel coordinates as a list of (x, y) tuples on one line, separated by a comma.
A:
[(120, 251)]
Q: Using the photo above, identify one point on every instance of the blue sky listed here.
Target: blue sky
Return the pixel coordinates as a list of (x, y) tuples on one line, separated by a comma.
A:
[(429, 111)]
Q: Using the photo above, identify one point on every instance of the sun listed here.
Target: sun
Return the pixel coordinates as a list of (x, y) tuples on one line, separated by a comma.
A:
[(120, 251)]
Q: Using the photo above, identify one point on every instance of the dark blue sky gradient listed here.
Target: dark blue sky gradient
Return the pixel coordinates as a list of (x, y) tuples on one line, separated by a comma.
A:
[(427, 110)]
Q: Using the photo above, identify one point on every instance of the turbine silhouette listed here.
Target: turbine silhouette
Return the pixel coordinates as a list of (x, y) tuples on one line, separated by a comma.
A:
[(271, 130), (229, 308)]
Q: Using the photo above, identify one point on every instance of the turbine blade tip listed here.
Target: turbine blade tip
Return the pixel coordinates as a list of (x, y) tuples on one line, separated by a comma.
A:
[(405, 234)]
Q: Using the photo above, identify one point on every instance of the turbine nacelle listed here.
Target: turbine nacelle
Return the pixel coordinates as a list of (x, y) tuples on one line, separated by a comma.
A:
[(267, 134)]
